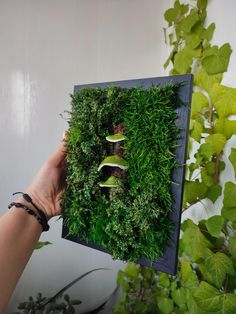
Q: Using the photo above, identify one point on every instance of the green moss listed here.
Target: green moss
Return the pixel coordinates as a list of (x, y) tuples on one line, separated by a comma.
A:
[(130, 221)]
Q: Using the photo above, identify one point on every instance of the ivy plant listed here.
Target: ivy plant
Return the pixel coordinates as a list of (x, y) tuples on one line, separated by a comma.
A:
[(120, 158), (206, 280)]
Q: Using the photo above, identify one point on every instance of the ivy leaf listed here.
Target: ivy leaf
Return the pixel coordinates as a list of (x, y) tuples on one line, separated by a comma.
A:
[(131, 270), (193, 40), (164, 280), (196, 130), (224, 100), (218, 265), (183, 61), (214, 192), (225, 126), (210, 50), (229, 213), (188, 22), (40, 244), (192, 305), (206, 81), (214, 225), (165, 305), (232, 158), (229, 303), (171, 15), (218, 62), (189, 278), (179, 296), (202, 4), (206, 178), (195, 243), (193, 191), (214, 145), (208, 33), (199, 101), (232, 246), (208, 298), (229, 195)]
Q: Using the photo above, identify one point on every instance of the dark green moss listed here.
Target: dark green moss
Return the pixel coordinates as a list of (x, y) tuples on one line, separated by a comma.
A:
[(132, 221)]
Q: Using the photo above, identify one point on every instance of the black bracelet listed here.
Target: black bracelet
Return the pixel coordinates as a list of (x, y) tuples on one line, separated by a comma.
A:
[(43, 218), (28, 210)]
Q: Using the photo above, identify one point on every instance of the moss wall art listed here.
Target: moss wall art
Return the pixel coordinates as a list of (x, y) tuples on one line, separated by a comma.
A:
[(121, 144)]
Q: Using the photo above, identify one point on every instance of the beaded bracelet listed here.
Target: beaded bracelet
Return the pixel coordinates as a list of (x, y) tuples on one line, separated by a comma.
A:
[(29, 211), (43, 217)]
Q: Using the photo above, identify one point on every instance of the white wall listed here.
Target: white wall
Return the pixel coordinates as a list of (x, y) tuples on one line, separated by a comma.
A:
[(46, 47)]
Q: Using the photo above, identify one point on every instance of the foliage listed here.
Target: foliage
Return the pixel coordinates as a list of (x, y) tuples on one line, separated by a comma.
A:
[(130, 220), (206, 278), (60, 303)]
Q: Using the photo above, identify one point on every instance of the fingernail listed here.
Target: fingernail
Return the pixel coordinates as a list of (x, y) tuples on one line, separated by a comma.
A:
[(64, 135)]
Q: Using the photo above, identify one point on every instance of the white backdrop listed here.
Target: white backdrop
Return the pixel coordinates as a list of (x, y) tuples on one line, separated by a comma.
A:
[(46, 47)]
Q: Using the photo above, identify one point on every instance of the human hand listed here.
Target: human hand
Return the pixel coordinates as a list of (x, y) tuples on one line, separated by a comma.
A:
[(49, 183)]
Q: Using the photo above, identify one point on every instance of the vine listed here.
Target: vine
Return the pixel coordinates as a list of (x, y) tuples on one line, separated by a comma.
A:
[(206, 278)]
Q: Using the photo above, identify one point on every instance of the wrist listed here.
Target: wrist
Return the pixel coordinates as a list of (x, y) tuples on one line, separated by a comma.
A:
[(40, 203)]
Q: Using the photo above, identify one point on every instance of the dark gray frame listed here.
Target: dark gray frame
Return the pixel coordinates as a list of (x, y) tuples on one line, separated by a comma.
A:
[(168, 262)]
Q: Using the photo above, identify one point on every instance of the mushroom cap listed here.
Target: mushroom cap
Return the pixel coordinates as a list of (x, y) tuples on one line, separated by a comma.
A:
[(116, 138), (114, 161), (111, 182)]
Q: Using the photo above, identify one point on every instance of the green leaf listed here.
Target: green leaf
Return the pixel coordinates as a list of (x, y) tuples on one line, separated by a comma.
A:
[(206, 81), (208, 33), (218, 265), (189, 278), (131, 270), (40, 244), (232, 246), (193, 40), (232, 158), (165, 305), (224, 100), (195, 243), (208, 298), (164, 280), (179, 296), (229, 303), (214, 192), (199, 102), (202, 4), (196, 130), (170, 15), (194, 191), (121, 280), (225, 126), (218, 62), (187, 23), (214, 225), (114, 161), (229, 213), (229, 195), (214, 144), (192, 305), (183, 60), (206, 178)]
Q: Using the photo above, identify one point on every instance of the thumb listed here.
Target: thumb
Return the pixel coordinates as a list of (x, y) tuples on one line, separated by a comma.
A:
[(58, 157)]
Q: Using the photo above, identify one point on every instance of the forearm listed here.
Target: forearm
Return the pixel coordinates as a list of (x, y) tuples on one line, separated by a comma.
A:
[(19, 233)]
